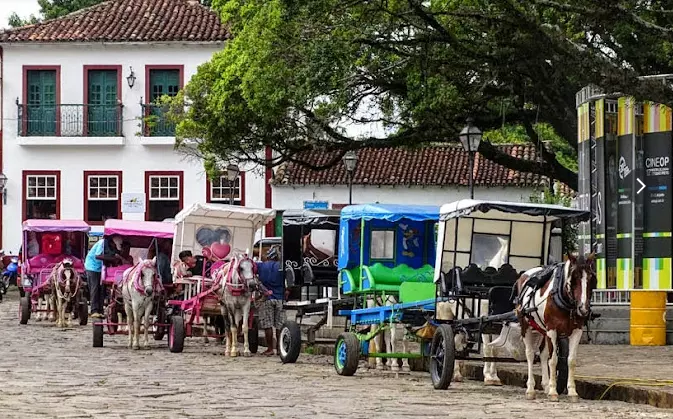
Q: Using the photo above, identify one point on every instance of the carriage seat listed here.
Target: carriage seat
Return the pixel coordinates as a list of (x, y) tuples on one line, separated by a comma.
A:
[(475, 280), (382, 278), (44, 260), (114, 274)]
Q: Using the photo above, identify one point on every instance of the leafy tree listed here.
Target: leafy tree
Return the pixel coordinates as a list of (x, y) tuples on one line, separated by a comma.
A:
[(51, 9), (297, 71)]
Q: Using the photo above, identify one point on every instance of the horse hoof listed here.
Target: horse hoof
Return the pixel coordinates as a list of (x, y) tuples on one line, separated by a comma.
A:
[(233, 354), (136, 347), (530, 396), (574, 399), (553, 397), (496, 383), (458, 379), (247, 354)]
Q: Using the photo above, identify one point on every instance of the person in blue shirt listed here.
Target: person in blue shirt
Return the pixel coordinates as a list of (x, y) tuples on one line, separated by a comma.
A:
[(270, 312), (104, 251)]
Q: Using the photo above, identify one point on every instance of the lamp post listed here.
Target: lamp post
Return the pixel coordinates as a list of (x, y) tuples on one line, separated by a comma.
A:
[(350, 160), (232, 174), (470, 138)]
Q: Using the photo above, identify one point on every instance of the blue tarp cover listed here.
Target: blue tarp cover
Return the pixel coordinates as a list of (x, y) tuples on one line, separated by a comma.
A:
[(390, 212), (414, 226)]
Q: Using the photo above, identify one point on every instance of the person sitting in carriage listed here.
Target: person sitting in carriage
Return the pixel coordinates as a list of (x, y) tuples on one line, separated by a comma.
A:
[(186, 266)]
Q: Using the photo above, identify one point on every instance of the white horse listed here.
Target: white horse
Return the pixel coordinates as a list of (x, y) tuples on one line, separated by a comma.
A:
[(391, 336), (447, 311), (65, 284), (238, 278), (139, 286)]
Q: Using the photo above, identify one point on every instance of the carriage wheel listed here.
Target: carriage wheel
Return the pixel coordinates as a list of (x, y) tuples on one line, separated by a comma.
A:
[(97, 336), (347, 354), (160, 331), (176, 334), (562, 351), (289, 344), (253, 337), (442, 357), (24, 310)]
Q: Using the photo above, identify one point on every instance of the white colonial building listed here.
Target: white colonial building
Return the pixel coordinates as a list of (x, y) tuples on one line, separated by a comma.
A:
[(75, 91)]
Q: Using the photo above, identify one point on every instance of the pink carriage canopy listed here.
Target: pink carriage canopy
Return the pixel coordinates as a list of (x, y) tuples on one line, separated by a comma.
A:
[(56, 226), (157, 229)]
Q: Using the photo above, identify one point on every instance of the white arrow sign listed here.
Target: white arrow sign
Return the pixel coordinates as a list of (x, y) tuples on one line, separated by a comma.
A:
[(642, 186)]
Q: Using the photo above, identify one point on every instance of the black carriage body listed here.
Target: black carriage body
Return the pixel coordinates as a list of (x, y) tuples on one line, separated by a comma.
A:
[(303, 263)]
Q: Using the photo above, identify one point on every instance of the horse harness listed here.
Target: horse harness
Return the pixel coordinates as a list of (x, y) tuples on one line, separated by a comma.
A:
[(58, 273), (240, 288), (561, 299), (136, 275)]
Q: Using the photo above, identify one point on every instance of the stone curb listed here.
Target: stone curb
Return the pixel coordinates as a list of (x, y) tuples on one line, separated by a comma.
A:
[(591, 390), (587, 389)]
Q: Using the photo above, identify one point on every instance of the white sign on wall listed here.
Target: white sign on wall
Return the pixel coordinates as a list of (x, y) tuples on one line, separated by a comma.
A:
[(133, 203)]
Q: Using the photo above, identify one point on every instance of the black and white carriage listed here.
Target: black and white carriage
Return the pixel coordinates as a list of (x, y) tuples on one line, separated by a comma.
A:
[(309, 261), (482, 249)]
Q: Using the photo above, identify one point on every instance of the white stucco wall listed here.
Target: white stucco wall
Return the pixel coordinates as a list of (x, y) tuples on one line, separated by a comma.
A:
[(133, 157), (289, 197)]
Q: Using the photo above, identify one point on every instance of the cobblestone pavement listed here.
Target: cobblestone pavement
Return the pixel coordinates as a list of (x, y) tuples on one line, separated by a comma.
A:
[(47, 372)]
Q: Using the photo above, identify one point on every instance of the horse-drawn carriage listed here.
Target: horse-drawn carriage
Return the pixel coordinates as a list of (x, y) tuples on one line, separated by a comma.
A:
[(142, 237), (220, 237), (483, 249), (48, 244), (385, 252)]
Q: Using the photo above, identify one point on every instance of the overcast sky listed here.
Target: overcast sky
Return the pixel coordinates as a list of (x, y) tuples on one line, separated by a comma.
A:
[(22, 7)]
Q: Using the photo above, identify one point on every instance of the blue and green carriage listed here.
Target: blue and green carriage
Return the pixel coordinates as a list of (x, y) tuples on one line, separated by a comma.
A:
[(482, 247), (384, 251)]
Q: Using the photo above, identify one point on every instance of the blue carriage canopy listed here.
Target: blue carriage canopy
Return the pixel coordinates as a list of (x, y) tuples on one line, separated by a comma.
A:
[(415, 222)]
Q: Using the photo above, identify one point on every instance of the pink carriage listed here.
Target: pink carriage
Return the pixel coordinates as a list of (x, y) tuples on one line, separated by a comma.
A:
[(45, 244), (202, 229), (140, 235)]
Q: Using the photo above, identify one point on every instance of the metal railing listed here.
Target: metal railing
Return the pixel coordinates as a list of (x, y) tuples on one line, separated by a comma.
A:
[(70, 120), (155, 122)]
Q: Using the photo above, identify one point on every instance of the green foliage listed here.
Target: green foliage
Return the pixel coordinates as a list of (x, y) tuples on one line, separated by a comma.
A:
[(569, 233), (51, 9), (295, 73)]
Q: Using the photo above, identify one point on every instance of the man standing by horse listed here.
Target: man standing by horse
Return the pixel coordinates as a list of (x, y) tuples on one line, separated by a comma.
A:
[(104, 251), (270, 311)]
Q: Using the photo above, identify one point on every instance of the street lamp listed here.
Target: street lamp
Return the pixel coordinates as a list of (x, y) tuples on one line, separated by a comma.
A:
[(232, 175), (3, 187), (470, 137), (350, 160)]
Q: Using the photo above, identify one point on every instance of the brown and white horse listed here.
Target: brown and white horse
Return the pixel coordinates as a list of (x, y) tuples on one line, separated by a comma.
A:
[(139, 286), (65, 284), (558, 306), (238, 279)]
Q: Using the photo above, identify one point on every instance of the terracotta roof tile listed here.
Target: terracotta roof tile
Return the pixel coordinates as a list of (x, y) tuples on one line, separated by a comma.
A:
[(127, 21), (428, 166)]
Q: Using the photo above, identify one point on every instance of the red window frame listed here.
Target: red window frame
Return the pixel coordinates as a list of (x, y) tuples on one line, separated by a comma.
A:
[(24, 184), (148, 69), (181, 188), (85, 191), (57, 69), (85, 89), (209, 198)]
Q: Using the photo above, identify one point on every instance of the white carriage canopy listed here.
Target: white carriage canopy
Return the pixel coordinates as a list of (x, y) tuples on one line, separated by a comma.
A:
[(201, 225), (492, 233)]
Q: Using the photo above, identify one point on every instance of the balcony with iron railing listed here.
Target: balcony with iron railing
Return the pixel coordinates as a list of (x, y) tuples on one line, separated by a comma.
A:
[(157, 128), (70, 124)]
